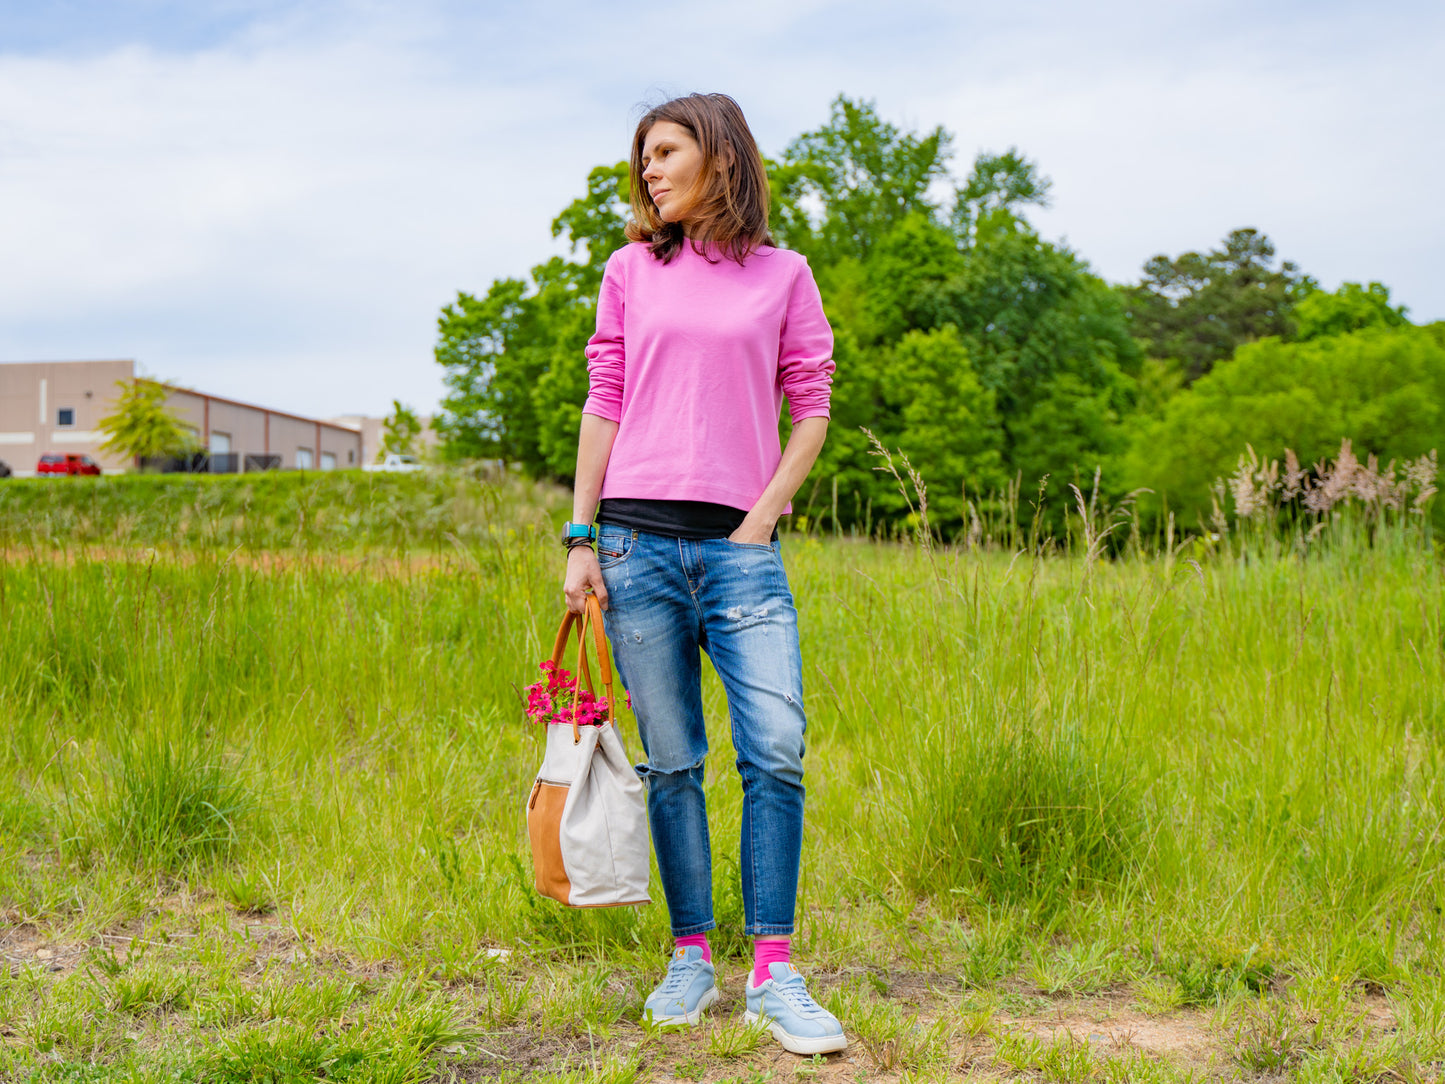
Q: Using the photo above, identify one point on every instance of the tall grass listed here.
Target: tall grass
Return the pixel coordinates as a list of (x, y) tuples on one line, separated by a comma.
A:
[(288, 510), (1019, 815), (1225, 761), (172, 800)]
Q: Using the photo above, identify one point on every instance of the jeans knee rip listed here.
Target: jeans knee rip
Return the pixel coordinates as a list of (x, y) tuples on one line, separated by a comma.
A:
[(647, 771), (735, 615)]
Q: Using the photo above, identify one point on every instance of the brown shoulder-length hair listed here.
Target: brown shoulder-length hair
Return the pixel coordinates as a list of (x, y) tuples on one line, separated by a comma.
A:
[(727, 206)]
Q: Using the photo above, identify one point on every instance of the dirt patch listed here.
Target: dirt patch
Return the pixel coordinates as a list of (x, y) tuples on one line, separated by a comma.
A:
[(1184, 1035), (1110, 1024), (26, 945)]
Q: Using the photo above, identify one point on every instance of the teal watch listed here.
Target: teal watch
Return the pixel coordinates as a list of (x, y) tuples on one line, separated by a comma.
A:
[(578, 534)]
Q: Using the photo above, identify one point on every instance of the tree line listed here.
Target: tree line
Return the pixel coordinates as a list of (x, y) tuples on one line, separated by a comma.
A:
[(990, 356)]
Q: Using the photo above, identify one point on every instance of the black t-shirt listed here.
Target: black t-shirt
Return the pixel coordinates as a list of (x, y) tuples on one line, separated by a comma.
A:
[(675, 519)]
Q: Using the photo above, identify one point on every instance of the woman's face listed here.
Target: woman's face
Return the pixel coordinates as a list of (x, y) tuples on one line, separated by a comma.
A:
[(671, 160)]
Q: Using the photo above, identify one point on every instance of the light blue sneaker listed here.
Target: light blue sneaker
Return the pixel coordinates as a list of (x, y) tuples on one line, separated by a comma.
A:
[(689, 988), (795, 1019)]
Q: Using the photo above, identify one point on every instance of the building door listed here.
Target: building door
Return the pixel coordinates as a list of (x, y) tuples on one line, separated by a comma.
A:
[(220, 442), (303, 458), (328, 460)]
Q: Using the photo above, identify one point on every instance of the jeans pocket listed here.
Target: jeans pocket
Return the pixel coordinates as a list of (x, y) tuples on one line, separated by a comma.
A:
[(760, 546), (613, 548)]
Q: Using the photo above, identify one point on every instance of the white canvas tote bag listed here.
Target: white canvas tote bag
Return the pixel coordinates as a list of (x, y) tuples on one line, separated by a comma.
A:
[(585, 814)]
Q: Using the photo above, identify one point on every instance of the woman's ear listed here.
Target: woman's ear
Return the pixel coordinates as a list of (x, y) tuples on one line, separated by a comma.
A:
[(726, 158)]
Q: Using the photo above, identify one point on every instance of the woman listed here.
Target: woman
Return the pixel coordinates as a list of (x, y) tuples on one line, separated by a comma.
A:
[(702, 328)]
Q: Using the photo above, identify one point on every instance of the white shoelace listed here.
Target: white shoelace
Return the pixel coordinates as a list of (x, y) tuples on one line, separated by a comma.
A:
[(679, 974), (794, 991)]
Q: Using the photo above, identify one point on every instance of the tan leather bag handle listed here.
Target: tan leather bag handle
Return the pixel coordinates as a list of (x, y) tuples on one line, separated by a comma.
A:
[(591, 617)]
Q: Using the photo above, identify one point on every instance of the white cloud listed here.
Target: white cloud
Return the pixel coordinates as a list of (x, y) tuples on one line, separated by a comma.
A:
[(1158, 155), (299, 212), (278, 215)]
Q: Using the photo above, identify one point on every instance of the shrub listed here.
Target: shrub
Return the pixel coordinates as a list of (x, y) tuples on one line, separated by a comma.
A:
[(1379, 388)]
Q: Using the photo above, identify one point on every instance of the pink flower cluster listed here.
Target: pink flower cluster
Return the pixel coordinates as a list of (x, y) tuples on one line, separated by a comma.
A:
[(558, 701)]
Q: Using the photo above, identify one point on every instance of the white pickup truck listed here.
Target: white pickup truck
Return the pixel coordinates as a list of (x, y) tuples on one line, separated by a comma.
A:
[(395, 462)]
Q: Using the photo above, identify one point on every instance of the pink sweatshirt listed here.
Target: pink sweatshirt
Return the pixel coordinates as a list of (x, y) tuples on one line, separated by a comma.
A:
[(692, 360)]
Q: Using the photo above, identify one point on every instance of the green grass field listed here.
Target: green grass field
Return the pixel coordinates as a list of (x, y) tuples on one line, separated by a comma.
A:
[(1169, 817)]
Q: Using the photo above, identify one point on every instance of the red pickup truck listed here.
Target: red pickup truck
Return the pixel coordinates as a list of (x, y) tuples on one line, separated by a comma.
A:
[(66, 464)]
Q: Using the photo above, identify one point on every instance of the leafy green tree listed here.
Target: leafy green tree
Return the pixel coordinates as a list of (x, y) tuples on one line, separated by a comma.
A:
[(142, 426), (937, 411), (844, 465), (513, 358), (487, 411), (1046, 338), (907, 278), (962, 337), (594, 223), (848, 183), (1383, 388), (1071, 428), (997, 182), (1034, 310), (1158, 382), (1200, 308), (1350, 308), (561, 391), (399, 431)]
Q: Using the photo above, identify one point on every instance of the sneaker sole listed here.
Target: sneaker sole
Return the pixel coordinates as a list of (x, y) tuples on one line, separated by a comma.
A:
[(689, 1018), (799, 1044)]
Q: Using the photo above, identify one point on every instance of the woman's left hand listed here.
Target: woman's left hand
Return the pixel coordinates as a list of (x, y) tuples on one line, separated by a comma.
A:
[(753, 532), (799, 454)]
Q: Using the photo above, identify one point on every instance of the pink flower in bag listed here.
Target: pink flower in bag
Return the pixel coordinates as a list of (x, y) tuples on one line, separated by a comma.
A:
[(558, 701)]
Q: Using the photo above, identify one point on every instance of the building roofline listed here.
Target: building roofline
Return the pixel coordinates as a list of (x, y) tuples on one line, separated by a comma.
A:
[(189, 391), (250, 406)]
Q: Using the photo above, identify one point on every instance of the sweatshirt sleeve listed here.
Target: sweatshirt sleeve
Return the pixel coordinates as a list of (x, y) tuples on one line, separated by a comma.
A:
[(606, 350), (805, 356)]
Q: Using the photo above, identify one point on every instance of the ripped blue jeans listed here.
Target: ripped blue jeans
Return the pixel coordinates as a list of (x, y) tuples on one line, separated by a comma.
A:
[(669, 599)]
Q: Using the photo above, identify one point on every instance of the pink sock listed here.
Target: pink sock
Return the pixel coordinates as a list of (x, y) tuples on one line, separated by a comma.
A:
[(698, 939), (769, 952)]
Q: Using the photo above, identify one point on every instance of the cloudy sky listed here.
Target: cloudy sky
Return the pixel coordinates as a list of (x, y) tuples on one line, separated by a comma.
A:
[(272, 199)]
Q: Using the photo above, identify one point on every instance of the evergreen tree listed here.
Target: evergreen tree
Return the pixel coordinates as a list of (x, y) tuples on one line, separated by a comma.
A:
[(1198, 309)]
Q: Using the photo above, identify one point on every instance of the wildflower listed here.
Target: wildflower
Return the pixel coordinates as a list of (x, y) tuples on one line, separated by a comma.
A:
[(1421, 475), (539, 702), (1253, 485), (558, 701), (1295, 479), (557, 678), (1216, 518), (1335, 485)]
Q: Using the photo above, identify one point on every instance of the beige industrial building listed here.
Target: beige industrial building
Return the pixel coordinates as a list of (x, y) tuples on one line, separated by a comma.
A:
[(373, 433), (55, 406)]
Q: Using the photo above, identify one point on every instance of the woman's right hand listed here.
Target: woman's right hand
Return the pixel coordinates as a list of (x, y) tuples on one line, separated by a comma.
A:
[(583, 572)]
